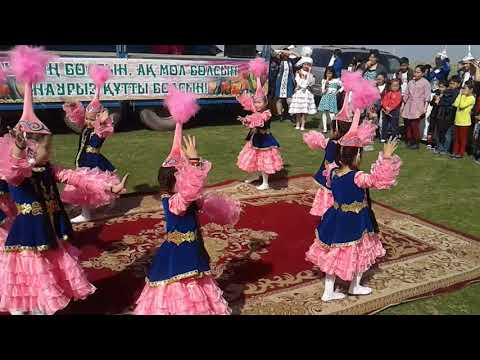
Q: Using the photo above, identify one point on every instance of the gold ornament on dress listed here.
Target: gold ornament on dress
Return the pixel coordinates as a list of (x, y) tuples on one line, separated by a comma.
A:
[(354, 207), (92, 150), (35, 208), (178, 237)]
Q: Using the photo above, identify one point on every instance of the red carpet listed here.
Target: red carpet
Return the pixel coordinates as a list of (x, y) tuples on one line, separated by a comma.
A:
[(260, 264)]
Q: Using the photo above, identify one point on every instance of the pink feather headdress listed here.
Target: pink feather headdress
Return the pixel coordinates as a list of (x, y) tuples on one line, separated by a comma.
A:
[(364, 94), (258, 67), (182, 106), (100, 75), (28, 65)]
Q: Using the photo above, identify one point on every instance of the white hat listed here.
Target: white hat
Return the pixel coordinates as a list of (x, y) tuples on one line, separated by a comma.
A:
[(469, 56), (290, 47), (304, 60), (443, 55), (307, 51)]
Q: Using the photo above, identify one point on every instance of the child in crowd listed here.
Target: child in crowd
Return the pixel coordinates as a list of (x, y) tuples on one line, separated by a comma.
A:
[(303, 101), (445, 116), (416, 101), (391, 103), (331, 86), (476, 131), (405, 74), (382, 87), (432, 131), (464, 104)]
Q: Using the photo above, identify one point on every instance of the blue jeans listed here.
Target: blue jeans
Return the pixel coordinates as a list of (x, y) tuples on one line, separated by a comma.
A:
[(447, 144)]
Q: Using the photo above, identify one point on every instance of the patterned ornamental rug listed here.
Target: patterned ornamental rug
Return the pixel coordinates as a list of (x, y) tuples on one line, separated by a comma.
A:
[(260, 263)]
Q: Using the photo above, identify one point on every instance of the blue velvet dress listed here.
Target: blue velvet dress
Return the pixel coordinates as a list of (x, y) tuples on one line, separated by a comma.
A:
[(183, 254), (41, 218), (262, 138), (349, 218), (88, 154)]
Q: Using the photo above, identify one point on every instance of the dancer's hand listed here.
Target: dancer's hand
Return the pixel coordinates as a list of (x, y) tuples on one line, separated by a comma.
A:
[(120, 188), (190, 147), (390, 147)]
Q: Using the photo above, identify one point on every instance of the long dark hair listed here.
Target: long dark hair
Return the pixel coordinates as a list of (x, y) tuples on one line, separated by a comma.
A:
[(166, 179), (342, 128), (329, 69), (347, 155)]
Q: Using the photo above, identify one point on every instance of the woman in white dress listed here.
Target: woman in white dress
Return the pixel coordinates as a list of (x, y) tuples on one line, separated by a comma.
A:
[(303, 101)]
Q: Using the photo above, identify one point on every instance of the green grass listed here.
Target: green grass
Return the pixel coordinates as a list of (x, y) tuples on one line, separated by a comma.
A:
[(435, 188)]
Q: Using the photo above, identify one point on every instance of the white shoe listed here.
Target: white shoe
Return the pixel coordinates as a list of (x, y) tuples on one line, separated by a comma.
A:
[(297, 127), (382, 141), (336, 295), (37, 312), (264, 186), (302, 129), (360, 290), (79, 219), (16, 313)]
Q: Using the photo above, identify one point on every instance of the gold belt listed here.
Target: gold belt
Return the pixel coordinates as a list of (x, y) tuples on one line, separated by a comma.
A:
[(355, 207), (92, 150), (179, 237), (36, 209)]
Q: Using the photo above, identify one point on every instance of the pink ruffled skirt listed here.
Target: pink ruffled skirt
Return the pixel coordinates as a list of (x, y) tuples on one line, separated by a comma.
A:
[(76, 196), (192, 296), (251, 159), (42, 281), (346, 261)]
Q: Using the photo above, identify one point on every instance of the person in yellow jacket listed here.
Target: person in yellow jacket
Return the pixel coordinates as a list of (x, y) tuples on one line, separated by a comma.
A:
[(464, 104)]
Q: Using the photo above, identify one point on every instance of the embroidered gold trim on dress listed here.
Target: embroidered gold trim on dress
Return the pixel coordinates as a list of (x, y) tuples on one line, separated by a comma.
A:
[(92, 150), (178, 237), (350, 243), (264, 149), (354, 207), (15, 248), (194, 273), (39, 169), (35, 208)]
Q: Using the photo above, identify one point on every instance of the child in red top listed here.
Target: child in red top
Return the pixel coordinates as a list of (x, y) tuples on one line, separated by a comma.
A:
[(391, 103)]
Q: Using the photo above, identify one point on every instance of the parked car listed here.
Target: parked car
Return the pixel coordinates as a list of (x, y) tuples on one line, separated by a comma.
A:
[(323, 53)]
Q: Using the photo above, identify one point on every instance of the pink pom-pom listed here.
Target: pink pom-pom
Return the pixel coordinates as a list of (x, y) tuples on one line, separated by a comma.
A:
[(182, 106), (258, 67), (28, 63), (99, 74), (349, 79), (315, 140), (246, 101), (221, 210), (364, 94)]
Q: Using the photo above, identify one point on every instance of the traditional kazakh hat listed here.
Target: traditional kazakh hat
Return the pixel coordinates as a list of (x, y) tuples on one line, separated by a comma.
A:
[(99, 74), (28, 65), (364, 94), (182, 107)]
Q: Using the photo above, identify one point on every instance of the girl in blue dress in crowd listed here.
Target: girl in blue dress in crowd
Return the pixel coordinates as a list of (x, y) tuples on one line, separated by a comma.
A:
[(261, 153), (96, 127), (316, 141), (347, 244), (40, 271), (179, 281)]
